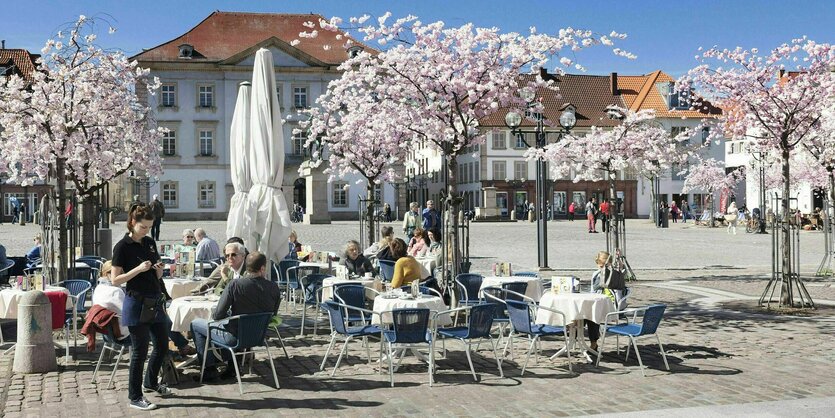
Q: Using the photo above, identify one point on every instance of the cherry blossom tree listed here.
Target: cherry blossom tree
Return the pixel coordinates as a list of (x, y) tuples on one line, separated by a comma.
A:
[(358, 134), (776, 112), (444, 80), (81, 120), (709, 176), (638, 143)]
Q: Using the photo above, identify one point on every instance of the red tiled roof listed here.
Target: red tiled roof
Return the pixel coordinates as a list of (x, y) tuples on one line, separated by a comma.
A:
[(590, 95), (18, 61), (224, 34), (641, 92)]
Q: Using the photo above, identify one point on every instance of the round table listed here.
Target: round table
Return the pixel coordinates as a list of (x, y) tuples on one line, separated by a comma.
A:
[(180, 287), (10, 298), (184, 310), (533, 291), (328, 283), (427, 266), (433, 303), (575, 306)]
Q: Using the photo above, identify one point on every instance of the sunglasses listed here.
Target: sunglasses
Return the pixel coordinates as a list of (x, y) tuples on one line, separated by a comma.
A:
[(189, 236), (230, 255)]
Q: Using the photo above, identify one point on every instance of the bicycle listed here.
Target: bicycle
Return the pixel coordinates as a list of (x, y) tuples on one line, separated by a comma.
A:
[(753, 224)]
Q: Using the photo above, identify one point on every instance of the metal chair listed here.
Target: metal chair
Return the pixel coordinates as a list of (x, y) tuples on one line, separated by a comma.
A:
[(339, 325), (78, 293), (387, 270), (648, 326), (500, 296), (516, 287), (352, 295), (311, 286), (423, 290), (520, 318), (113, 345), (526, 274), (409, 329), (252, 332), (467, 290), (480, 321)]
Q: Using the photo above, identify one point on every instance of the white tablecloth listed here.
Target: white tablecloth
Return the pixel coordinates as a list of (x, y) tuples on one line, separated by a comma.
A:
[(575, 306), (178, 288), (327, 285), (433, 303), (10, 298), (533, 291), (427, 266), (322, 266), (183, 310)]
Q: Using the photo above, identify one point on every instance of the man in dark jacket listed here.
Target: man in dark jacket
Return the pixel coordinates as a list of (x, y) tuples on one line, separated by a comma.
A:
[(253, 293), (158, 209)]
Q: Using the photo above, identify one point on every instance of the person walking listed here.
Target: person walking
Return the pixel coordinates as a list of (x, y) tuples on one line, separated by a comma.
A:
[(411, 220), (531, 212), (731, 216), (591, 214), (158, 209), (387, 212), (431, 218), (685, 210), (605, 207), (674, 211), (571, 212)]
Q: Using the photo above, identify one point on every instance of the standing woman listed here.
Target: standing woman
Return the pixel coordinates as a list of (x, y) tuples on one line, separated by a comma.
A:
[(136, 262)]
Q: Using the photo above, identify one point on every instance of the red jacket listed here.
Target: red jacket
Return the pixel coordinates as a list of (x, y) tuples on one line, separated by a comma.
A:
[(101, 320)]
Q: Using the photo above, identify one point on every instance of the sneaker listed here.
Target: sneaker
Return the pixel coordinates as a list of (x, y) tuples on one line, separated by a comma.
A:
[(142, 404), (161, 390), (187, 351), (228, 373)]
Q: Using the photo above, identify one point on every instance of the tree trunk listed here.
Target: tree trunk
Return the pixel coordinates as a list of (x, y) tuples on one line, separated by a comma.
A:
[(785, 252), (63, 244), (452, 212), (88, 225), (614, 227), (369, 211)]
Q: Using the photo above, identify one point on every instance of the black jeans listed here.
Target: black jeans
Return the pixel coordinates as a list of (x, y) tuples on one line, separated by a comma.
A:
[(140, 336), (155, 229), (594, 330)]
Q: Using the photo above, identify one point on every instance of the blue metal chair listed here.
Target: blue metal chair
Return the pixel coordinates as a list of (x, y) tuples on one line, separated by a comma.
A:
[(516, 287), (252, 332), (409, 329), (520, 319), (311, 286), (339, 325), (78, 293), (387, 270), (526, 274), (279, 276), (499, 295), (352, 295), (651, 318), (480, 321), (467, 289), (113, 345), (423, 290)]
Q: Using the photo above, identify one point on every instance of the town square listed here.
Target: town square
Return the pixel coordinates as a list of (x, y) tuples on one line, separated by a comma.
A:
[(417, 208)]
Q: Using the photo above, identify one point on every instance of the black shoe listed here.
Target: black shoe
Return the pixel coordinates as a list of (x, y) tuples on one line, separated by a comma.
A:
[(209, 374), (228, 373), (161, 390), (142, 404)]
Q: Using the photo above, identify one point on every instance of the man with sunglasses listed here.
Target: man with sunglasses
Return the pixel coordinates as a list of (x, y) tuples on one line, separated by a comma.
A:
[(235, 255)]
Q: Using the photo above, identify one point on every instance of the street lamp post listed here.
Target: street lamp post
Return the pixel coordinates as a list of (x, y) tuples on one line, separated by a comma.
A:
[(567, 121), (762, 193)]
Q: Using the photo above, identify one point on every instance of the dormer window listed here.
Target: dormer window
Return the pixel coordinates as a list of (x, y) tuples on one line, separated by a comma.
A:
[(354, 51), (678, 100), (186, 51)]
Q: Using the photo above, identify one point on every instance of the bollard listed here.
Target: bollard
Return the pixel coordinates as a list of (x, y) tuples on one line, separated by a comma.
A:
[(34, 352), (105, 243)]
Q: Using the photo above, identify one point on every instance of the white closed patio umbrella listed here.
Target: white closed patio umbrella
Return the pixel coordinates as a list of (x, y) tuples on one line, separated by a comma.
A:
[(237, 222), (269, 217)]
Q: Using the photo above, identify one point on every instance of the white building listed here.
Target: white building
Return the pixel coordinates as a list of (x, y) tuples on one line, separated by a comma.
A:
[(200, 72)]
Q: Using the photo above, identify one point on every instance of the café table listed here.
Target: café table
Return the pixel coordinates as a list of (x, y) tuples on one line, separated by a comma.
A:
[(186, 309), (330, 282), (400, 300), (427, 266), (180, 287), (576, 307), (10, 298), (533, 291)]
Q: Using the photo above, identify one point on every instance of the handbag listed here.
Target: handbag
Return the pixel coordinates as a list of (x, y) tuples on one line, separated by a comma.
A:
[(150, 308)]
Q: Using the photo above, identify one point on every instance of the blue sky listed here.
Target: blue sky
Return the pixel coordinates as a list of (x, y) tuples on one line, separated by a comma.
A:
[(664, 34)]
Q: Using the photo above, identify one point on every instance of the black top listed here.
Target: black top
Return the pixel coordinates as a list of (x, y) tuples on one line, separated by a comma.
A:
[(247, 295), (359, 266), (128, 254)]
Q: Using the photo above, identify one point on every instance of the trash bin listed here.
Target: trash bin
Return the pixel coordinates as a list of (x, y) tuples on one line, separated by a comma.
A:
[(665, 220)]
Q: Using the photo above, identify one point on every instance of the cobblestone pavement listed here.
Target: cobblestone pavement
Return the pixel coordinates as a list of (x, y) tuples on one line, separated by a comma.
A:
[(722, 350)]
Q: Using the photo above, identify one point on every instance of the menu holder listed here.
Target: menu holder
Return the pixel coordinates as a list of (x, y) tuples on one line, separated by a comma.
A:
[(565, 284), (503, 269), (341, 271)]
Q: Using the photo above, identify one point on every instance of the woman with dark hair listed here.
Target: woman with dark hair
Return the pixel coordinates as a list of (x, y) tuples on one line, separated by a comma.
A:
[(137, 263), (406, 268), (419, 243)]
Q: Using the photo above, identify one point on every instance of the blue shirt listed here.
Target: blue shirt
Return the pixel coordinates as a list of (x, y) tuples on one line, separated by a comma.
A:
[(431, 219), (207, 250)]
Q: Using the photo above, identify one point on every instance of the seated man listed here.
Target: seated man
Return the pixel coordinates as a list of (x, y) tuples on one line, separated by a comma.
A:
[(253, 293), (234, 267), (207, 248)]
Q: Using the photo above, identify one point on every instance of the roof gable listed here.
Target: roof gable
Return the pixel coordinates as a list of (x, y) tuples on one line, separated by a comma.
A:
[(641, 92), (224, 35), (284, 55), (18, 62)]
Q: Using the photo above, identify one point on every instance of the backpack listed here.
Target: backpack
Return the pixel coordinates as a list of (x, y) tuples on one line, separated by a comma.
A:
[(614, 279)]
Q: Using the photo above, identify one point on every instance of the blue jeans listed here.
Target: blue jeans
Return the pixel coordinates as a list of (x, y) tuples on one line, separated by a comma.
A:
[(200, 330), (140, 336)]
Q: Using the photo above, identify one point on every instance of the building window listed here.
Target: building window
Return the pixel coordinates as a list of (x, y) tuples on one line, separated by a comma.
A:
[(519, 142), (278, 95), (169, 143), (206, 96), (298, 143), (705, 136), (499, 170), (206, 194), (300, 97), (169, 194), (207, 143), (477, 172), (520, 170), (340, 194), (499, 140), (168, 95)]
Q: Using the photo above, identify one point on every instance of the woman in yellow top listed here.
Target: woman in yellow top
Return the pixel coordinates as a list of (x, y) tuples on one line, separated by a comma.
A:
[(406, 268)]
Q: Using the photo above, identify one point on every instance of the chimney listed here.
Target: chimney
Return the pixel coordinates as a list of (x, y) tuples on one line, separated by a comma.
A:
[(613, 83), (3, 44), (780, 73)]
